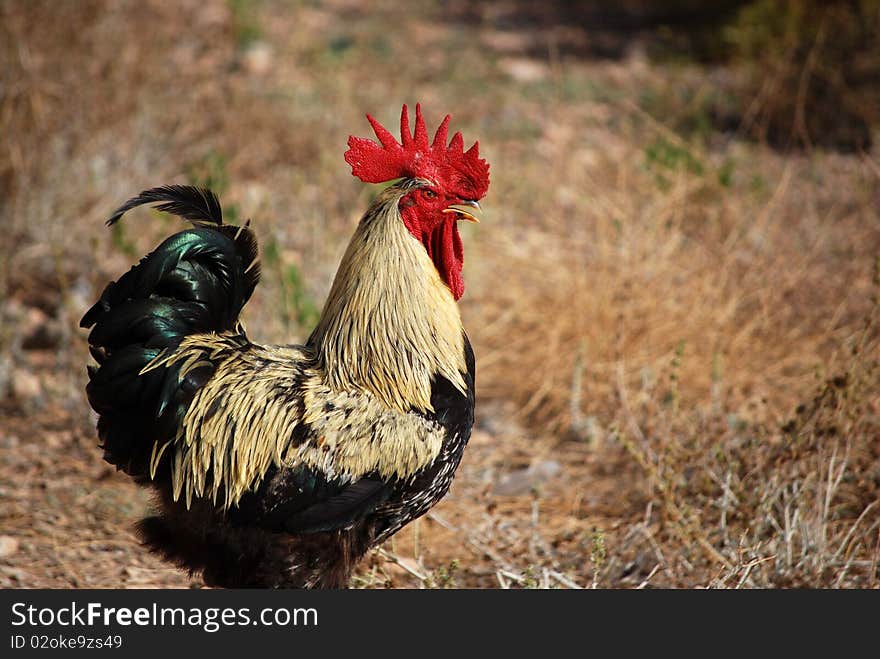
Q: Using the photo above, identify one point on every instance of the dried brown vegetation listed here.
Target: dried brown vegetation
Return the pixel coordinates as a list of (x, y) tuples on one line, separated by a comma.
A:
[(677, 338)]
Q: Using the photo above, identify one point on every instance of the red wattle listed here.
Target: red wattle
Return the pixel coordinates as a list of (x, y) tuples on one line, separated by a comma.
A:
[(444, 246)]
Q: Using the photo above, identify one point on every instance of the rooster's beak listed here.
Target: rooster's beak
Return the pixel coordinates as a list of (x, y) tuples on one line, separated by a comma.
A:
[(468, 210)]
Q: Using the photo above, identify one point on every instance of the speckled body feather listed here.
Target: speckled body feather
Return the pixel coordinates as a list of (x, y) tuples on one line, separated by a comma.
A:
[(280, 466)]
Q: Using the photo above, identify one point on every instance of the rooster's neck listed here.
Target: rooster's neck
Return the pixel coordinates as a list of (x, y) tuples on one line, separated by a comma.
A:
[(390, 324)]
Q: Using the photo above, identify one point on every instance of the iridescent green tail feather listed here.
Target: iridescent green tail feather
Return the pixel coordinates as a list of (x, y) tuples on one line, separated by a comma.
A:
[(196, 281)]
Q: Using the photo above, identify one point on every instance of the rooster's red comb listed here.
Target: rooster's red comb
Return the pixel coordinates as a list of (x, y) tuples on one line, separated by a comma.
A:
[(462, 172)]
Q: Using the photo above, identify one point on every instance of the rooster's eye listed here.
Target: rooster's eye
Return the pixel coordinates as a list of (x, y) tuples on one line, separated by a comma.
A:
[(428, 194)]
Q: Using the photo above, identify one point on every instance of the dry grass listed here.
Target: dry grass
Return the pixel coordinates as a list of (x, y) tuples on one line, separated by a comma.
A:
[(677, 341)]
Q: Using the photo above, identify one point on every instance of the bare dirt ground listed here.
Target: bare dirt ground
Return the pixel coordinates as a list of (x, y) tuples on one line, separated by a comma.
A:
[(676, 335)]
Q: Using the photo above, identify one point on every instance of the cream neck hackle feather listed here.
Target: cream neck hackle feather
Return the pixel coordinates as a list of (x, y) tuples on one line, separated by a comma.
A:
[(390, 323)]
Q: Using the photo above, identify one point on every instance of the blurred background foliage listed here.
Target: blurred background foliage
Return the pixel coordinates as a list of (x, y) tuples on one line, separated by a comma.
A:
[(799, 72)]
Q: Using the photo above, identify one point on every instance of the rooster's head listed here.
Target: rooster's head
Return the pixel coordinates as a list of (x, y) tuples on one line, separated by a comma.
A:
[(444, 184)]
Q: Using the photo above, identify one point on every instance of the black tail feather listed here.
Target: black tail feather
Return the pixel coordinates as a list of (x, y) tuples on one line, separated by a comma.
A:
[(186, 201), (196, 281)]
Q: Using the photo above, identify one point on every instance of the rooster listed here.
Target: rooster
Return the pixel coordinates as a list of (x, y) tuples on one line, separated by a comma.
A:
[(281, 466)]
